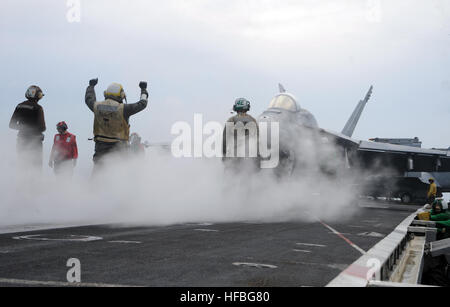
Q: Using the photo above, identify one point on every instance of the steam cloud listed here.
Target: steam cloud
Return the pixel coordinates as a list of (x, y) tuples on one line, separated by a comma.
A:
[(162, 190)]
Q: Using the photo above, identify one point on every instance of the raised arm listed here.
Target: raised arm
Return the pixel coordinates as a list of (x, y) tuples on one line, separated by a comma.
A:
[(133, 108), (90, 97)]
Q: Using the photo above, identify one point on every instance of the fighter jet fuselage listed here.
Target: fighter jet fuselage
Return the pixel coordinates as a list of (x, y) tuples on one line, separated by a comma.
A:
[(297, 130), (303, 144)]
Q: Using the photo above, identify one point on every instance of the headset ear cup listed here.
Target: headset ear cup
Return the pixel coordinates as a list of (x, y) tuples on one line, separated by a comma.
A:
[(31, 93)]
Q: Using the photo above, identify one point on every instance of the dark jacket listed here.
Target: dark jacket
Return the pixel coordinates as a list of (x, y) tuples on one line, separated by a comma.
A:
[(243, 118), (28, 118)]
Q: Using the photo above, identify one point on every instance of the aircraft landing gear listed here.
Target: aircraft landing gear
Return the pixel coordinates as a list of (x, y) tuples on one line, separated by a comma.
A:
[(287, 163)]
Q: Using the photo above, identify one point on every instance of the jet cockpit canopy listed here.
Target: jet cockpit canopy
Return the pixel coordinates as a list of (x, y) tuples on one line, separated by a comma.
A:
[(285, 101)]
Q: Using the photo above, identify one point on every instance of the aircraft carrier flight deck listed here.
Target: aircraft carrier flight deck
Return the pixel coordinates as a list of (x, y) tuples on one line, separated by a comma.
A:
[(247, 254)]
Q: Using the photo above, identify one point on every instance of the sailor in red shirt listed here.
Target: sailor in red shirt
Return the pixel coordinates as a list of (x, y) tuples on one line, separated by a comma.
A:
[(64, 155)]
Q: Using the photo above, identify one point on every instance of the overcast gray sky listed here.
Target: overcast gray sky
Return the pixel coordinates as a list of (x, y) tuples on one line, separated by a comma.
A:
[(199, 55)]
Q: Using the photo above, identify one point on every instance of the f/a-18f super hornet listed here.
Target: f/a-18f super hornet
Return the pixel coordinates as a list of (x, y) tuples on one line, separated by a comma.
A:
[(301, 140)]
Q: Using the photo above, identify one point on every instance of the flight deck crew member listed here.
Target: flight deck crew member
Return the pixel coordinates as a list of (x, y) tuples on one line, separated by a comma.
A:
[(442, 219), (432, 192), (28, 119), (64, 154), (137, 149), (111, 118), (241, 151)]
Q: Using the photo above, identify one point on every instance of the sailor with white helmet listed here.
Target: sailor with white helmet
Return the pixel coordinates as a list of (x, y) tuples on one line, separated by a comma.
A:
[(28, 119)]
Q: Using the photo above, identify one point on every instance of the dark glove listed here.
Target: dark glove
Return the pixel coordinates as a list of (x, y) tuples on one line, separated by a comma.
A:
[(93, 82), (143, 85)]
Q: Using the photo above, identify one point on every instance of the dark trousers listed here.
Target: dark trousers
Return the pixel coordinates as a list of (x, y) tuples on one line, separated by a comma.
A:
[(105, 150), (29, 151)]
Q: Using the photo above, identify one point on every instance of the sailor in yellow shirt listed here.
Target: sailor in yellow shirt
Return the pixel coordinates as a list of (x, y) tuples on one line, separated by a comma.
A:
[(432, 192)]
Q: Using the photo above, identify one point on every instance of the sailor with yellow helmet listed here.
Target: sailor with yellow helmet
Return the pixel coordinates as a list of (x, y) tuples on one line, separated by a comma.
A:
[(111, 117)]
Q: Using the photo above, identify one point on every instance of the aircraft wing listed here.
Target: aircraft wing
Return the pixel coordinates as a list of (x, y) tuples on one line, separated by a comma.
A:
[(339, 138), (398, 157)]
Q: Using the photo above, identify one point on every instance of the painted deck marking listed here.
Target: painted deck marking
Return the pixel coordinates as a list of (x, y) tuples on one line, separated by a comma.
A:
[(342, 233), (126, 242), (310, 244), (71, 238), (301, 251), (56, 283), (371, 234), (255, 265), (344, 238)]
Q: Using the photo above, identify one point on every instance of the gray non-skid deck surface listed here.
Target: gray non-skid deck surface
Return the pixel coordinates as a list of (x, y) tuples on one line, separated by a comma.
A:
[(191, 255)]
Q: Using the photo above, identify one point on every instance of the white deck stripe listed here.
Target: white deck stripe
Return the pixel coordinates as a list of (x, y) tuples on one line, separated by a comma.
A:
[(256, 265), (344, 238), (310, 244), (301, 251), (31, 228), (206, 230), (56, 283), (74, 238)]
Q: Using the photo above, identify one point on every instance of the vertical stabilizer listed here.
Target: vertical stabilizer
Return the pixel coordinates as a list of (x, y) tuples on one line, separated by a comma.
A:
[(356, 115)]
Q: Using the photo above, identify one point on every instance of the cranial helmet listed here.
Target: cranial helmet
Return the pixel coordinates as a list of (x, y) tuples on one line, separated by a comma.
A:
[(61, 126), (34, 92), (116, 92), (241, 105)]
